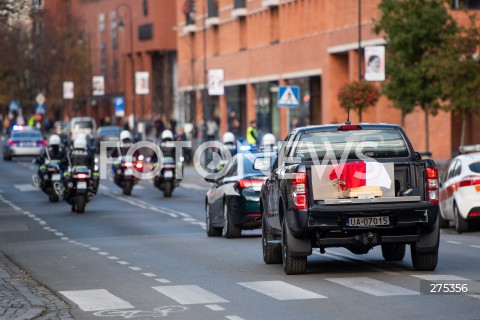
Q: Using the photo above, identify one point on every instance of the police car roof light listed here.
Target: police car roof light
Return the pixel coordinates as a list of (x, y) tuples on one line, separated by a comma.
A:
[(469, 148)]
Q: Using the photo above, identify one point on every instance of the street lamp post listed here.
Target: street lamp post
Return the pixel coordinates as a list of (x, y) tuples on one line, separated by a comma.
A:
[(132, 62)]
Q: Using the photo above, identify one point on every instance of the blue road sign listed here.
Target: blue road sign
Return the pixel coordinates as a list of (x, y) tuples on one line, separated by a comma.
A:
[(119, 103), (289, 96), (13, 105), (40, 108)]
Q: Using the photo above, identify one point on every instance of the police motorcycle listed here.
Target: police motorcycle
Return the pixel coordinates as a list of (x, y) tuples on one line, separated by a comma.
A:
[(123, 169), (49, 168), (81, 180), (169, 176)]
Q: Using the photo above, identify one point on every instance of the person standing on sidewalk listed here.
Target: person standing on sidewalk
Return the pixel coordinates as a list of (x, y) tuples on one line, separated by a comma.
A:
[(251, 136)]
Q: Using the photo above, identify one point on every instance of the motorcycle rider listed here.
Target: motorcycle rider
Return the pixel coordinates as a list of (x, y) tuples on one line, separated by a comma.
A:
[(166, 145), (80, 155), (230, 142), (54, 151), (269, 142), (125, 143)]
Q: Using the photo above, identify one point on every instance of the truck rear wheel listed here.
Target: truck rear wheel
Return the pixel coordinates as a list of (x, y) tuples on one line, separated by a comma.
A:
[(291, 264), (423, 261), (393, 251)]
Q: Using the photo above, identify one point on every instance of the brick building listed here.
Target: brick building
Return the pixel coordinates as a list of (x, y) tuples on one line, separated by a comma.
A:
[(264, 44), (115, 32)]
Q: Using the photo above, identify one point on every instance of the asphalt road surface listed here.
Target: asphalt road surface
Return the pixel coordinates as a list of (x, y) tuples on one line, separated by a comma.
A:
[(147, 257)]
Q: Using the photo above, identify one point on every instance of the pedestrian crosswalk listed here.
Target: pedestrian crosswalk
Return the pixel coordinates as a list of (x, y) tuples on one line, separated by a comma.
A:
[(101, 299)]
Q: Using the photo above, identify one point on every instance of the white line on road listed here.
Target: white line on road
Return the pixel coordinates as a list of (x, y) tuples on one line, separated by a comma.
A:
[(372, 286), (96, 300), (348, 259), (215, 307), (234, 318), (26, 187), (135, 268), (65, 238), (454, 242), (103, 253), (474, 246), (438, 277), (163, 280), (149, 274), (43, 223), (94, 249), (189, 294), (59, 234), (123, 262), (281, 290), (113, 258)]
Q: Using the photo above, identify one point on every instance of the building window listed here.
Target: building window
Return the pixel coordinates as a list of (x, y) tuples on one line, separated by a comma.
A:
[(465, 4), (101, 22), (188, 9)]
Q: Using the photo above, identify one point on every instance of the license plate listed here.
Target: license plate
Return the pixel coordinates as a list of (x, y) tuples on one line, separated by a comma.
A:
[(27, 144), (55, 177), (81, 185), (368, 222), (168, 174)]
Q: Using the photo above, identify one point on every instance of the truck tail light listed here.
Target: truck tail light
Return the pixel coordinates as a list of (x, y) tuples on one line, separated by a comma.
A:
[(469, 181), (299, 190), (432, 185)]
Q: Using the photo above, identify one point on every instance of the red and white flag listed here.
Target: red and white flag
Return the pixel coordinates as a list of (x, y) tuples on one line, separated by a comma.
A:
[(359, 174)]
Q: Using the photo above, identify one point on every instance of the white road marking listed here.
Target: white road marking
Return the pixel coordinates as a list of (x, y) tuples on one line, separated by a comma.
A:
[(476, 296), (163, 280), (96, 300), (26, 187), (438, 277), (454, 242), (149, 274), (37, 219), (103, 253), (215, 307), (135, 268), (234, 318), (349, 259), (189, 219), (43, 223), (64, 238), (59, 234), (281, 290), (113, 258), (123, 262), (474, 246), (189, 294), (26, 212), (372, 286), (94, 249)]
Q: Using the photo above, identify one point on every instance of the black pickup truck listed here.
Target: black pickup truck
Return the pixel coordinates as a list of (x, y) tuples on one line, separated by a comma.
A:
[(352, 186)]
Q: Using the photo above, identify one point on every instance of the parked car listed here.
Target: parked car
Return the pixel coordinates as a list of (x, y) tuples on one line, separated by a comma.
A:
[(85, 125), (233, 202), (107, 133), (460, 191), (23, 142)]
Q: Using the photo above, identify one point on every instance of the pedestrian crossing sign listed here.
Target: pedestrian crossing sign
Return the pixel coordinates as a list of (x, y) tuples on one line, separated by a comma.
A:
[(289, 96), (40, 108)]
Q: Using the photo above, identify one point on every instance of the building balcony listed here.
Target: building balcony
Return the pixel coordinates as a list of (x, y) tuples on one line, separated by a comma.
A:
[(189, 28)]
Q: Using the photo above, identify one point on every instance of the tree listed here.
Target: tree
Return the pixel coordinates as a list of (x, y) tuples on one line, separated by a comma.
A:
[(414, 29), (459, 73), (358, 95)]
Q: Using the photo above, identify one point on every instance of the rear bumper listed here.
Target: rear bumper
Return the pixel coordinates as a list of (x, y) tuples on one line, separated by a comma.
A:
[(331, 218), (24, 151)]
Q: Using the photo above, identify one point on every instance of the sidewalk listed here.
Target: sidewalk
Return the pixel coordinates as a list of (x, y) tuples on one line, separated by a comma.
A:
[(22, 298)]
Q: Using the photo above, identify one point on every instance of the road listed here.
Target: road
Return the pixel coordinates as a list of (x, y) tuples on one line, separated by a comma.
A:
[(147, 257)]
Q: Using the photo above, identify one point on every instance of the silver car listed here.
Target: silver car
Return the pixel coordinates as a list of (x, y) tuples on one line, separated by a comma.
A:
[(23, 142)]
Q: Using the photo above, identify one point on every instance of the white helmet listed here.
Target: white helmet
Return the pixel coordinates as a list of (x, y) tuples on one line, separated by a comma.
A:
[(125, 134), (228, 137), (167, 134), (269, 140), (54, 140), (80, 142)]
